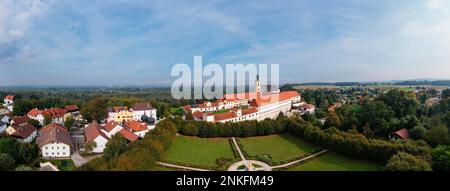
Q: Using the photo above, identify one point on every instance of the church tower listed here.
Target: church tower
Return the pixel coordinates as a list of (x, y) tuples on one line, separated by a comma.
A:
[(258, 85)]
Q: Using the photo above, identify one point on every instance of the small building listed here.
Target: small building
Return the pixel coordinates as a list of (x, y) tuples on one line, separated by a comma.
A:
[(4, 118), (111, 128), (138, 128), (57, 115), (128, 135), (308, 109), (19, 120), (94, 133), (22, 132), (54, 141), (400, 134), (119, 114), (73, 109), (8, 102), (2, 127)]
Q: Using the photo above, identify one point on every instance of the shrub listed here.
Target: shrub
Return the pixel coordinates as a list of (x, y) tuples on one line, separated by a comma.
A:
[(406, 162)]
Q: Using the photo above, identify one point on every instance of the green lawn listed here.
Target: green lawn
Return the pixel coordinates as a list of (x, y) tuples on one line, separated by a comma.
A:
[(281, 147), (198, 151), (332, 161)]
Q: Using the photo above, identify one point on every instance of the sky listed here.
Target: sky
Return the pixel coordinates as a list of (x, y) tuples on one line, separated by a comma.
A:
[(136, 42)]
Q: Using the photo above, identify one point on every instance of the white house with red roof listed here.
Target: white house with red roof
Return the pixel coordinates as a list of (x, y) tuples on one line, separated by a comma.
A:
[(58, 115), (94, 133), (8, 102), (54, 141), (143, 109), (137, 128)]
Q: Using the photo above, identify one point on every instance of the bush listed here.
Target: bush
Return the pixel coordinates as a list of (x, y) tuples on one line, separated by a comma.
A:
[(441, 158), (417, 132), (406, 162), (6, 162), (189, 129)]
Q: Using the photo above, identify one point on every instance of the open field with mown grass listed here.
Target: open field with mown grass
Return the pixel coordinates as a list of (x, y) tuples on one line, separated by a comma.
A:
[(280, 147), (198, 151), (333, 161)]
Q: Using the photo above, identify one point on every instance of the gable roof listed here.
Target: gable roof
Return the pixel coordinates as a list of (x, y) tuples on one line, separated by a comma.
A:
[(20, 119), (403, 133), (128, 135), (72, 108), (135, 125), (23, 130), (92, 131), (34, 112), (142, 107), (263, 100), (53, 133), (110, 126), (10, 97)]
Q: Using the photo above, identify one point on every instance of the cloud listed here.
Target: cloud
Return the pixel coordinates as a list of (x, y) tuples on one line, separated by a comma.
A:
[(433, 4)]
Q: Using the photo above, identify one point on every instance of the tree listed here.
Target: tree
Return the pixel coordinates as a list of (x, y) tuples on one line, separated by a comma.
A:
[(406, 162), (69, 122), (47, 119), (189, 129), (446, 93), (7, 163), (417, 132), (441, 158), (88, 147), (116, 146), (437, 135), (189, 115), (33, 122), (95, 109), (377, 116), (332, 120)]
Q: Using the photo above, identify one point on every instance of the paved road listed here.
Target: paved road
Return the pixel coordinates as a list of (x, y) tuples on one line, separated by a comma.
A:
[(238, 149), (181, 167), (78, 160), (299, 160)]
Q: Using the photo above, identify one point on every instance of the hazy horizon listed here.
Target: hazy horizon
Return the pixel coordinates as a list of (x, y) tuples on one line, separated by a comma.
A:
[(135, 43)]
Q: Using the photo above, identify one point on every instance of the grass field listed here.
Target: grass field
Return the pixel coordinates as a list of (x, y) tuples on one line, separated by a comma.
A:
[(337, 162), (280, 147), (198, 151)]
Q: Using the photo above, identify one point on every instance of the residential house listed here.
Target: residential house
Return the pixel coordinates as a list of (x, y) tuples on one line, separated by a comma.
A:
[(4, 118), (3, 126), (94, 134), (138, 128), (22, 132), (73, 109), (308, 109), (128, 135), (19, 120), (141, 110), (57, 115), (119, 114), (54, 141), (111, 128), (8, 102)]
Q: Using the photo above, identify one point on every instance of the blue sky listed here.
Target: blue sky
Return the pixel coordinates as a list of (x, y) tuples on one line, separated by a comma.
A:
[(136, 42)]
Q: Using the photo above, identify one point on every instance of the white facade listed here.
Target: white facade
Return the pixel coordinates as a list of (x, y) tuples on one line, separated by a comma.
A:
[(29, 139), (55, 150), (38, 117), (9, 104), (149, 113), (100, 142), (141, 134), (113, 131), (5, 119), (2, 127)]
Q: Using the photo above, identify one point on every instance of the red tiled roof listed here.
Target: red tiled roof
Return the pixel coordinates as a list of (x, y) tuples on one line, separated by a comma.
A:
[(198, 114), (224, 116), (187, 108), (128, 135), (34, 112), (142, 107), (20, 119), (72, 108), (249, 111), (54, 133), (23, 130), (135, 126), (263, 100), (308, 106), (92, 131), (403, 133), (10, 97), (110, 126)]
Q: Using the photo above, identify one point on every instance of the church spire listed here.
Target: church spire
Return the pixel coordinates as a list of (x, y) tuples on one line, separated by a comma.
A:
[(257, 84)]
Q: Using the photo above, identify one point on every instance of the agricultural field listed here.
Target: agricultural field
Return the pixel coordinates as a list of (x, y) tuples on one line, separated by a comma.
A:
[(198, 151), (333, 161), (280, 147)]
